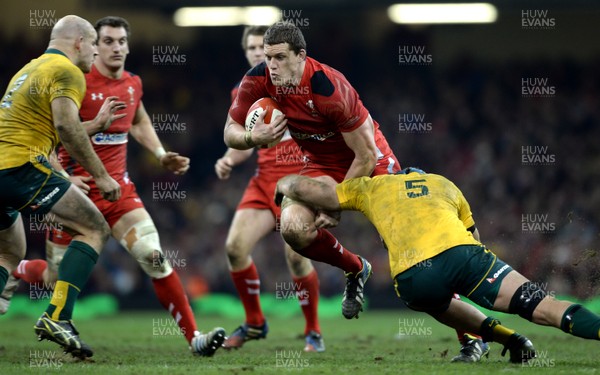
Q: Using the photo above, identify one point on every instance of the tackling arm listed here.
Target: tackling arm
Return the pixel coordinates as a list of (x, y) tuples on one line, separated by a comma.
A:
[(65, 116), (362, 142), (307, 190), (74, 138)]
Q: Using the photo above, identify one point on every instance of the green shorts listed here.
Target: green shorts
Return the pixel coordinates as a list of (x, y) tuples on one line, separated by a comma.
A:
[(29, 188), (469, 270)]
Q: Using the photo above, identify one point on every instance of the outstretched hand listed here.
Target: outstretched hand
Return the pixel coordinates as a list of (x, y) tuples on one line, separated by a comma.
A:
[(175, 163), (106, 115)]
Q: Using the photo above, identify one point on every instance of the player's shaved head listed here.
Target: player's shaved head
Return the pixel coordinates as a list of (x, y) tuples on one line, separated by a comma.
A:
[(71, 27), (76, 38)]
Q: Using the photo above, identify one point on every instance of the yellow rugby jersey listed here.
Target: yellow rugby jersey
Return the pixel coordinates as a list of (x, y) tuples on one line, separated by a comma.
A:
[(418, 215), (26, 126)]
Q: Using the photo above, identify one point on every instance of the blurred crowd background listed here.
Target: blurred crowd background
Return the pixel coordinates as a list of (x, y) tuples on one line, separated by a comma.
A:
[(518, 159)]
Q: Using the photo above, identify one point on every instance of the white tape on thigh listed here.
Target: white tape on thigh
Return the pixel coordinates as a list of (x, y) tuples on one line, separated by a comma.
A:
[(146, 249)]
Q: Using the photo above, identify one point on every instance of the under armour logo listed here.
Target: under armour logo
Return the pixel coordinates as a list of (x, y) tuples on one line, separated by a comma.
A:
[(97, 96)]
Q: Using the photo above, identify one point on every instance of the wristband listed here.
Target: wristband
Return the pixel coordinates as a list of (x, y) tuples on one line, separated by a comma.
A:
[(159, 152), (64, 173), (248, 139)]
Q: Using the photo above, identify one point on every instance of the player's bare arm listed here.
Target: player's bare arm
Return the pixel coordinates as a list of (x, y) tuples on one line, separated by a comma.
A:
[(314, 193), (236, 136), (65, 116), (79, 181), (232, 157), (143, 132), (362, 142), (106, 115)]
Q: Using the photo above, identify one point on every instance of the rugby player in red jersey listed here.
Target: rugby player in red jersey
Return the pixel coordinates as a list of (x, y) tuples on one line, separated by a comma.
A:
[(130, 223), (340, 140), (327, 119), (256, 216)]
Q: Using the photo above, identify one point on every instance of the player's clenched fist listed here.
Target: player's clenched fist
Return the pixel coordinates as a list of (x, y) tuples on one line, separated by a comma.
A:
[(110, 189)]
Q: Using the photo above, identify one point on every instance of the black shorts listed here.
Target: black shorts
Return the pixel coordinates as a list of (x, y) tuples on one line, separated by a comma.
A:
[(470, 270), (32, 188)]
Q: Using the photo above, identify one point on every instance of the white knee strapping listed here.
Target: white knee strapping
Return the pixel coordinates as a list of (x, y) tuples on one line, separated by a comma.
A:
[(146, 249)]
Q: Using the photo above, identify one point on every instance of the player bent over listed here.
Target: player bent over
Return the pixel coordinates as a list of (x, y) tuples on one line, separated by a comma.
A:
[(427, 226), (129, 221)]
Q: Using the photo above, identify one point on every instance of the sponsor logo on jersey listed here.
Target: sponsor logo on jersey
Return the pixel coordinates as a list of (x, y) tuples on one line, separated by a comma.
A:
[(498, 273), (97, 96), (109, 138), (311, 105), (314, 137)]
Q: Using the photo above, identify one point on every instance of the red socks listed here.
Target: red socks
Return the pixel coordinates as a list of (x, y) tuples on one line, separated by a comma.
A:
[(171, 295), (326, 248), (308, 297), (31, 271), (247, 284)]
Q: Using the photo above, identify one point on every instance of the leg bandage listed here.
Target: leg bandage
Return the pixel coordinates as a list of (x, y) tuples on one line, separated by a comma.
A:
[(141, 240), (526, 298)]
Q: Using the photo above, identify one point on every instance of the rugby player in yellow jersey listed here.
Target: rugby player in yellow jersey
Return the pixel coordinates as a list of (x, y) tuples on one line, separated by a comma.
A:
[(39, 109), (428, 229)]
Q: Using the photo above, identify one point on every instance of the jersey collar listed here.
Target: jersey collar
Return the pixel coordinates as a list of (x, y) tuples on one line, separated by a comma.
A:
[(55, 51)]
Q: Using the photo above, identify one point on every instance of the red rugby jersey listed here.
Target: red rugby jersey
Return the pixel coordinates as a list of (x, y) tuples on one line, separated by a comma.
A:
[(319, 108), (110, 145)]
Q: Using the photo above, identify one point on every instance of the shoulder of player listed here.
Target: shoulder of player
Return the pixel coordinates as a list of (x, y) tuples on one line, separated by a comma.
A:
[(60, 71), (259, 70), (325, 80), (132, 76)]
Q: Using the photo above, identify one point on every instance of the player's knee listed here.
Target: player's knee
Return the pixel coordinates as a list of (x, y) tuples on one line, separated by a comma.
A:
[(142, 241), (92, 224), (296, 235), (104, 231), (236, 247), (295, 226), (238, 251), (526, 299), (98, 233)]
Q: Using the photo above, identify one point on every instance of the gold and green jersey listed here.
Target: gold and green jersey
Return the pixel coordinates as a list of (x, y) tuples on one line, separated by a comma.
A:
[(26, 125), (418, 215)]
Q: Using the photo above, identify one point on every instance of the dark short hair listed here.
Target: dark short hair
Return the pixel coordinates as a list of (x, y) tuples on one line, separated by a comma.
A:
[(285, 32), (252, 30), (112, 21)]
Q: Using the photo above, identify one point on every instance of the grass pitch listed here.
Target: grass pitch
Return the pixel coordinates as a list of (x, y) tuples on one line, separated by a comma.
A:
[(377, 343)]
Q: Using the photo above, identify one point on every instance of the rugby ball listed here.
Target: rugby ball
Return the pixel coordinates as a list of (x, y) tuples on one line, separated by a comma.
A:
[(261, 105)]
